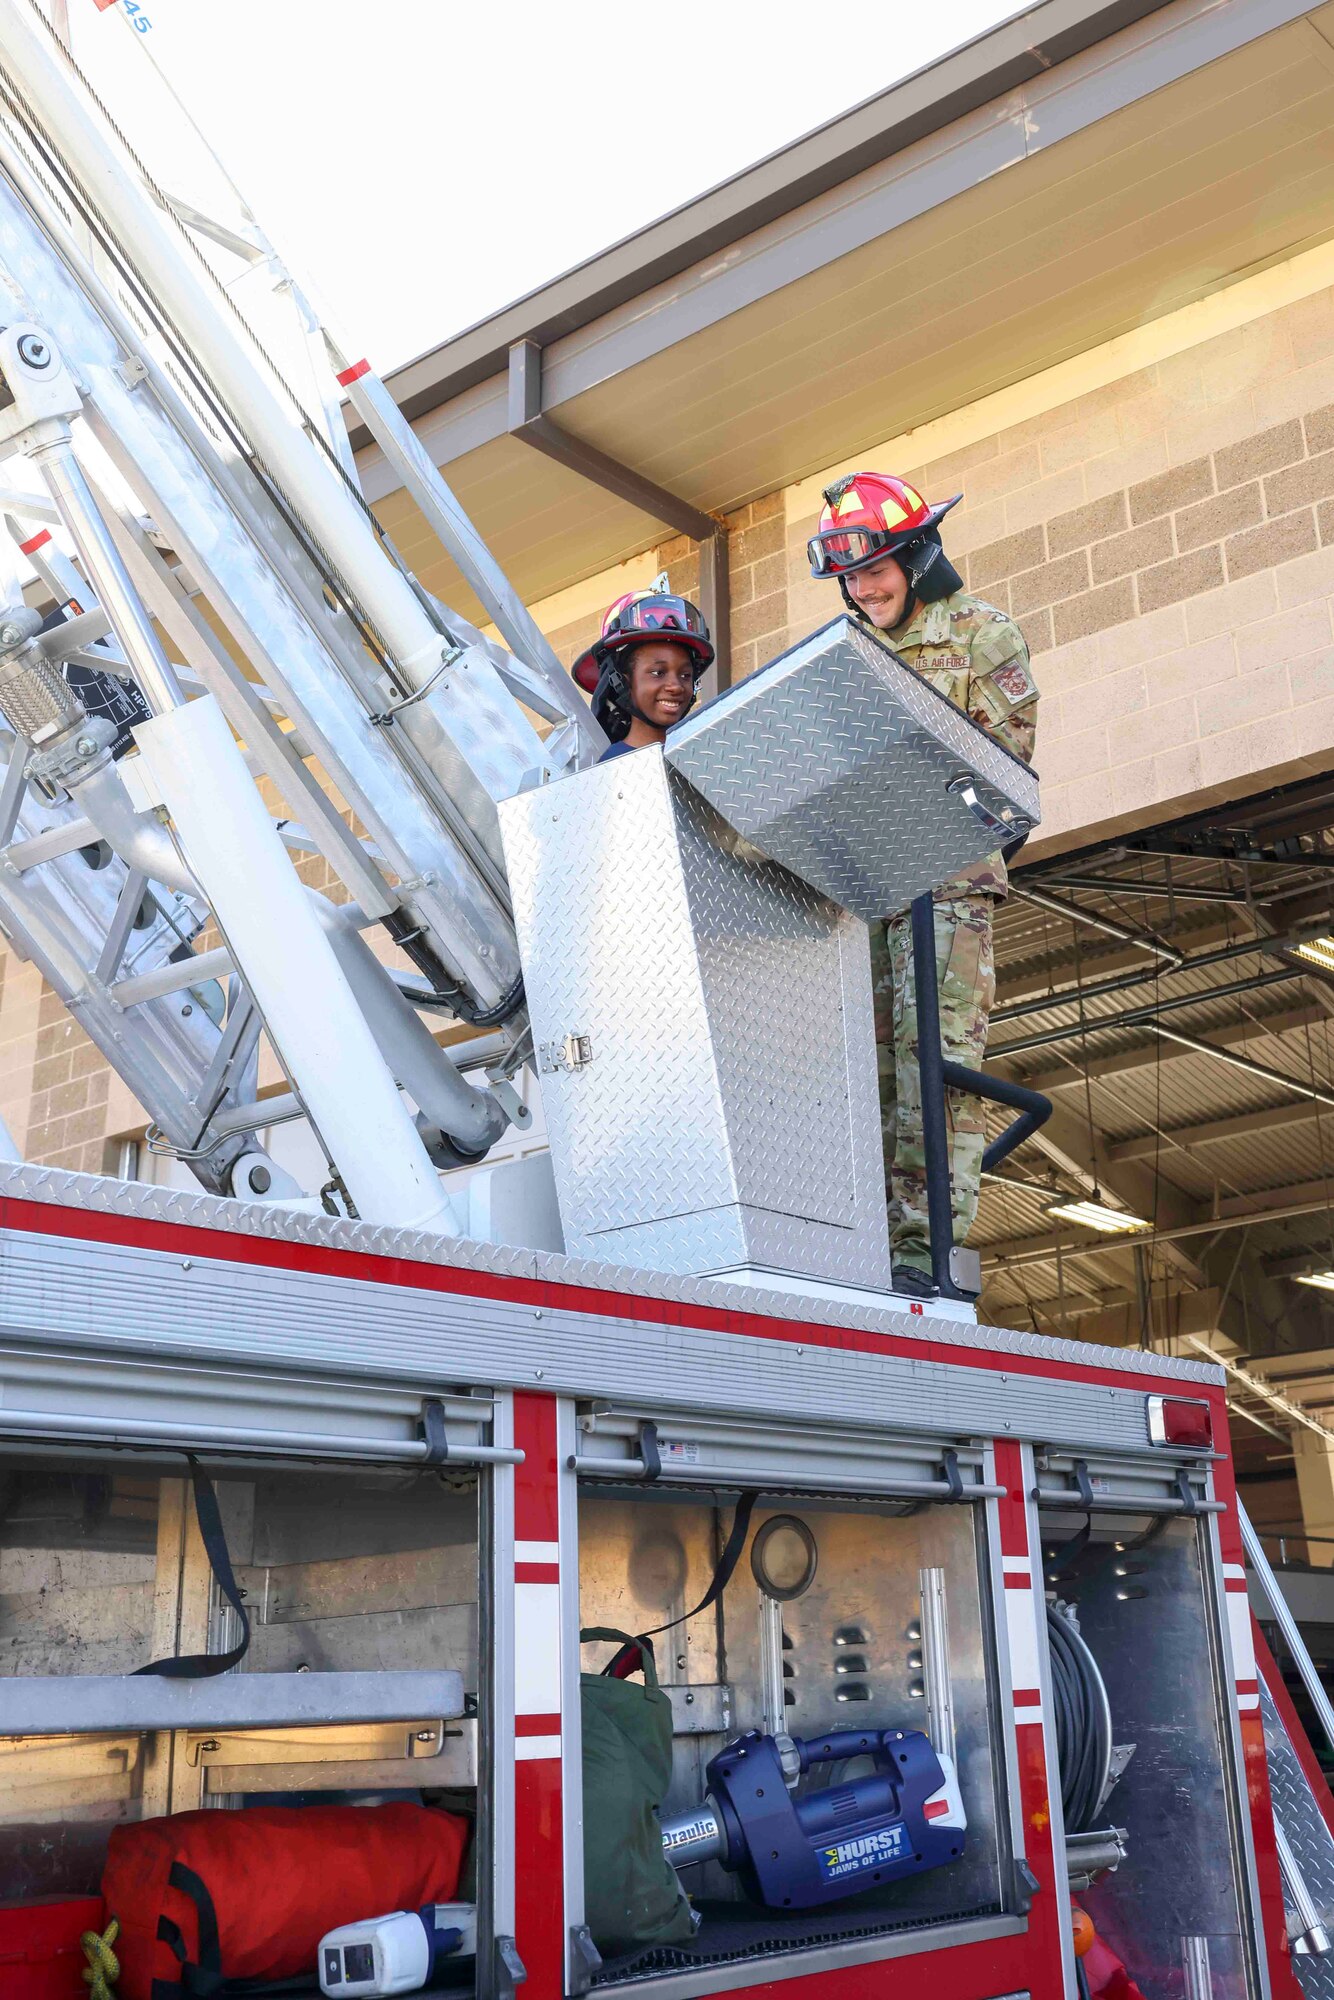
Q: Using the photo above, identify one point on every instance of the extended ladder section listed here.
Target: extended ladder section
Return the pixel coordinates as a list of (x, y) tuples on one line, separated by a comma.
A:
[(316, 700)]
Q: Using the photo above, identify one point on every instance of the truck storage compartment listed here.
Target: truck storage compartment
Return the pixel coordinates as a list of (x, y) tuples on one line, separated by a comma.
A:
[(361, 1589), (862, 1615), (1137, 1588)]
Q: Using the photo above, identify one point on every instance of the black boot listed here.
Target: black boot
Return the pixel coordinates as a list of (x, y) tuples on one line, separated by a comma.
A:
[(913, 1283)]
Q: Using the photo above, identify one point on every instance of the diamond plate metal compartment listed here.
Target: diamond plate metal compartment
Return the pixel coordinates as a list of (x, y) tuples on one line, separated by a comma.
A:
[(840, 762), (1310, 1839), (704, 1028)]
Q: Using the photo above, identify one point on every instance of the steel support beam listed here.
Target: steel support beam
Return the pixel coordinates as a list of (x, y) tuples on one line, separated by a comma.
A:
[(1030, 991), (1042, 1000), (1018, 1251), (1140, 1017), (529, 423), (1295, 1084), (1216, 1131), (1094, 919), (1166, 892), (1069, 1075)]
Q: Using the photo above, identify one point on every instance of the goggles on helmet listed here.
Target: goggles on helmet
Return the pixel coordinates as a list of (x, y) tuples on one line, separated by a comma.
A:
[(645, 617), (844, 548)]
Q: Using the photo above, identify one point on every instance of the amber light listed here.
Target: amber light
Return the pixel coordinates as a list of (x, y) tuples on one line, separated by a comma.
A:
[(1180, 1421)]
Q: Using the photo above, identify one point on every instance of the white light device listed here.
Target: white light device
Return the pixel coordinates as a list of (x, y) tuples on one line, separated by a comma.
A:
[(396, 1953)]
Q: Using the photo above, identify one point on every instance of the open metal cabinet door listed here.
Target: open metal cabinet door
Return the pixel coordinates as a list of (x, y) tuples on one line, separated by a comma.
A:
[(1136, 1585), (341, 1601), (831, 1587)]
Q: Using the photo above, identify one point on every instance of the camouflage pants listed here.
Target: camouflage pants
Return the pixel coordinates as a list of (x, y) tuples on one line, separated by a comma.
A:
[(966, 972)]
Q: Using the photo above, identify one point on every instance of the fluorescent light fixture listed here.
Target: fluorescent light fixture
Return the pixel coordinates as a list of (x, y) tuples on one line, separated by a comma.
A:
[(1323, 1280), (1096, 1214), (1317, 951)]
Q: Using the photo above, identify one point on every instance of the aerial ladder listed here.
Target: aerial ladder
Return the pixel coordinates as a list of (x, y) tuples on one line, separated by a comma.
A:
[(386, 725)]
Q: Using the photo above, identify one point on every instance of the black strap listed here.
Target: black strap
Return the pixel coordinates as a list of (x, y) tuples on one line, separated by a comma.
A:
[(722, 1575), (198, 1666), (649, 1452), (433, 1430), (171, 1933), (200, 1978)]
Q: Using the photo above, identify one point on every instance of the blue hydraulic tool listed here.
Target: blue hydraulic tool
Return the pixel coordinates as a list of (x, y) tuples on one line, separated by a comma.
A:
[(791, 1852)]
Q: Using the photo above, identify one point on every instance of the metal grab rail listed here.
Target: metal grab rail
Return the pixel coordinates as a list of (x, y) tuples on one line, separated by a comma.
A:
[(936, 1075), (1287, 1625), (1307, 1932)]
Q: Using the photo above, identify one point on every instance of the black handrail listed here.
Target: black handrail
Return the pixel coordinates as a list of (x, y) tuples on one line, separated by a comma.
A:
[(936, 1076)]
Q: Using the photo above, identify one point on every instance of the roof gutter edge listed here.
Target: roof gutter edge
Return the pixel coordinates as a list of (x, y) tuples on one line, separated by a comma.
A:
[(1001, 61)]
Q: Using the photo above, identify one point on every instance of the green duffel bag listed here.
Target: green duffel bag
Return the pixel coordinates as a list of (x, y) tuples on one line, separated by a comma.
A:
[(632, 1897)]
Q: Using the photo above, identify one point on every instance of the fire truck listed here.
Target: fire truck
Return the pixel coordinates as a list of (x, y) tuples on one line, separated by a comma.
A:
[(407, 1483)]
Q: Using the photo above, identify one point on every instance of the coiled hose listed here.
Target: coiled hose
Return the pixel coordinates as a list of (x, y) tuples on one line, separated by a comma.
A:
[(1083, 1722)]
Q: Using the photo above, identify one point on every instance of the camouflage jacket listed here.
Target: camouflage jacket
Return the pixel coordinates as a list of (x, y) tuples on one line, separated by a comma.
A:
[(975, 655)]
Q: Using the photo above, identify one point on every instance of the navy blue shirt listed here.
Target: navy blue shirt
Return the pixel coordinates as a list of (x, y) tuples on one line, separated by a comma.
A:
[(621, 749)]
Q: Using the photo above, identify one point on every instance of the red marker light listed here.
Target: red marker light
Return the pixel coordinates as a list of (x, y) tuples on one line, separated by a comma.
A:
[(1179, 1421)]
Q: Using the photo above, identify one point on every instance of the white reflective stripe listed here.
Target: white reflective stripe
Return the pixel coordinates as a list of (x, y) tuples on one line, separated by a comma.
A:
[(1022, 1626), (537, 1552), (1028, 1715), (529, 1748), (1017, 1565), (1246, 1702), (1239, 1627), (1235, 1570), (536, 1649)]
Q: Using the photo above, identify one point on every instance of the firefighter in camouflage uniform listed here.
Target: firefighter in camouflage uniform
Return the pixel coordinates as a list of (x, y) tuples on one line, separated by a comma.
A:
[(882, 541)]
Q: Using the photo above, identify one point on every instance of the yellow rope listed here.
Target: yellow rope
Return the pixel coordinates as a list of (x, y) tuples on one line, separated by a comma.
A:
[(103, 1969)]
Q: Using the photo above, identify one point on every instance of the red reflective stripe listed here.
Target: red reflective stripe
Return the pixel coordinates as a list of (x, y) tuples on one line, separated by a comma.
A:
[(1028, 1697), (354, 373), (1017, 1582), (141, 1232), (1235, 1583), (935, 1808), (536, 1572), (43, 534), (537, 1725), (103, 5), (536, 1489)]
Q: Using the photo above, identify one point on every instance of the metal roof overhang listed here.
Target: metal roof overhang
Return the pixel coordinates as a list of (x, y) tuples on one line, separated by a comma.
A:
[(1080, 171)]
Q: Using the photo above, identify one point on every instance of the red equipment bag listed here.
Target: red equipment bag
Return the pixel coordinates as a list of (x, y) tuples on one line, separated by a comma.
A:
[(40, 1954), (210, 1898)]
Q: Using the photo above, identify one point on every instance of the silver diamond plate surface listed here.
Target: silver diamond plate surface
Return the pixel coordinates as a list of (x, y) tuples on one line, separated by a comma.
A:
[(836, 759), (1311, 1840), (235, 1223), (727, 1112)]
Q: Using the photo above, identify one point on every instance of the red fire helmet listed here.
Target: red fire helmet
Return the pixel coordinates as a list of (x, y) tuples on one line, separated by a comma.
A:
[(638, 616), (869, 515)]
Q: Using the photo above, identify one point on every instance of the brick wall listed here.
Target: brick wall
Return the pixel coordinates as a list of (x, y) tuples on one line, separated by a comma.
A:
[(1167, 544)]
